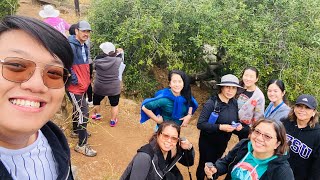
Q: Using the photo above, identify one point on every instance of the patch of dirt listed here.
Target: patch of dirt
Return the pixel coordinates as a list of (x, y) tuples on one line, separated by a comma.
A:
[(117, 145)]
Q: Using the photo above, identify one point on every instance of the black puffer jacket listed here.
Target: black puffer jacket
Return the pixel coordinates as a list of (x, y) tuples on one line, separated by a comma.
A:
[(278, 168), (149, 164)]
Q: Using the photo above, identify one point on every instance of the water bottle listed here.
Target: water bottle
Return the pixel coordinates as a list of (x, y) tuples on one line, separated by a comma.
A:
[(213, 118)]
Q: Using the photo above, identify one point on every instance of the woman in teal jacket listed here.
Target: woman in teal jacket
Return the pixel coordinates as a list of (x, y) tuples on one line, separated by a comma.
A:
[(175, 103)]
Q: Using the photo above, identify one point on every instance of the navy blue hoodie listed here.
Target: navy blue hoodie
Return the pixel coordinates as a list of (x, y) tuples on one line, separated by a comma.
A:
[(304, 150)]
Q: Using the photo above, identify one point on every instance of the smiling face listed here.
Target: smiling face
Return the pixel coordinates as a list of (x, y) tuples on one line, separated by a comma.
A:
[(228, 91), (168, 138), (303, 112), (264, 140), (176, 84), (275, 94), (26, 107), (249, 78)]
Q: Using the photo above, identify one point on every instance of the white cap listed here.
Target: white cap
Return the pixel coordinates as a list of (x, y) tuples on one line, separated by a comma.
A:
[(107, 47)]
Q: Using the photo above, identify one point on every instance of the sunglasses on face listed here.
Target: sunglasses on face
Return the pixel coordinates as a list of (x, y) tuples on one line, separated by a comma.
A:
[(21, 70), (167, 137), (265, 137)]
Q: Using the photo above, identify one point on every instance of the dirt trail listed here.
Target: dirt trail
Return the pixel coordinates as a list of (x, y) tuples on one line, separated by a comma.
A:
[(117, 145)]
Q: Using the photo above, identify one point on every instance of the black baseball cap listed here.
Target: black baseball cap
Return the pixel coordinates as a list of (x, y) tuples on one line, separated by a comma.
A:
[(307, 100)]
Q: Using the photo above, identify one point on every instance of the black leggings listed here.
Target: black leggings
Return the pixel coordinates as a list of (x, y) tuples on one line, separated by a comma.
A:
[(211, 148), (114, 100), (89, 90)]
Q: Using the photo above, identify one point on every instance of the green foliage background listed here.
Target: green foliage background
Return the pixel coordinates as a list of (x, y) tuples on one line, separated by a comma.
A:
[(279, 37), (8, 7)]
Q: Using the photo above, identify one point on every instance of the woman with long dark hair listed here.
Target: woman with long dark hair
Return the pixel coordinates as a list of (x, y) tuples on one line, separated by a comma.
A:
[(157, 159), (277, 108), (174, 103), (251, 100)]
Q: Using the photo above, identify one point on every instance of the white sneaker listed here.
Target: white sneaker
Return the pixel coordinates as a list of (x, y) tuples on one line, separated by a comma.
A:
[(86, 150), (90, 103)]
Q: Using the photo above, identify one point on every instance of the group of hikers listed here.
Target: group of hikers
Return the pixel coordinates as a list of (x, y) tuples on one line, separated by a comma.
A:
[(277, 142), (108, 67), (39, 64)]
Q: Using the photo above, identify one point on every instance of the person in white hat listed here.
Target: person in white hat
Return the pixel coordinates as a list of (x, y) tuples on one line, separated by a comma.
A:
[(217, 120), (51, 17), (107, 82)]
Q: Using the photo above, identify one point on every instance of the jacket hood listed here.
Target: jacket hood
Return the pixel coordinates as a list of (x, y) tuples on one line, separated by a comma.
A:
[(107, 62), (72, 39), (307, 128), (147, 149)]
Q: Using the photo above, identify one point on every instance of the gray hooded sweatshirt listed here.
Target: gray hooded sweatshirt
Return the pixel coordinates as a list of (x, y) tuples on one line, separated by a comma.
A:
[(107, 81)]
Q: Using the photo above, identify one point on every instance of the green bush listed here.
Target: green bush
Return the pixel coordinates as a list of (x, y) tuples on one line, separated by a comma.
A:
[(281, 38), (8, 7)]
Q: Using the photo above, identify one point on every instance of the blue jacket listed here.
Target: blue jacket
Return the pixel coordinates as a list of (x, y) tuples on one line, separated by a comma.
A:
[(179, 101), (80, 71), (281, 112)]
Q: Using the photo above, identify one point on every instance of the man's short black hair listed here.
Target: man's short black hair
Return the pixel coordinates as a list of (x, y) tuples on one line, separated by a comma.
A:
[(54, 41), (72, 29)]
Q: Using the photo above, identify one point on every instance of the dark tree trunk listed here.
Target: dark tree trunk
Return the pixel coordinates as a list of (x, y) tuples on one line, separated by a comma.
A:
[(77, 7)]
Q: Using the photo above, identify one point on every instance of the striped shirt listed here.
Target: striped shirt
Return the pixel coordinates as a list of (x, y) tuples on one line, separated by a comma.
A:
[(35, 161)]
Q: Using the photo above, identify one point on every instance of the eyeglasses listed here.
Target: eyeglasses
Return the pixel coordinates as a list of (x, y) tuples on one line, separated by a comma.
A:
[(167, 137), (265, 137), (20, 70)]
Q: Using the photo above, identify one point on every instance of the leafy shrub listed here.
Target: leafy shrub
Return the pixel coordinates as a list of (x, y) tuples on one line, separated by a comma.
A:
[(281, 38), (8, 7)]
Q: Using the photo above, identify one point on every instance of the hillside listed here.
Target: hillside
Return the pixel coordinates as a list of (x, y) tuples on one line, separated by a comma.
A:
[(115, 146)]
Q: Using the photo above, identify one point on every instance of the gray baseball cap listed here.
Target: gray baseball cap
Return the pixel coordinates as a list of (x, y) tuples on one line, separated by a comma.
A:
[(84, 25)]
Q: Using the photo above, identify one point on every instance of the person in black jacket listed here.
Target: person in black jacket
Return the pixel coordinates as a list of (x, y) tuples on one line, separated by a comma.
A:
[(214, 136), (157, 159), (35, 62), (303, 135), (263, 156)]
